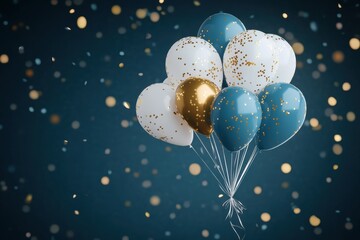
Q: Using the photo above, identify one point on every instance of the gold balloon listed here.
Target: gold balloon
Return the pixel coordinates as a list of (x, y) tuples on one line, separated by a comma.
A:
[(194, 98)]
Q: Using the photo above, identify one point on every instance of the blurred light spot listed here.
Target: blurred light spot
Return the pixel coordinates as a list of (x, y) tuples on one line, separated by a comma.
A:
[(51, 167), (338, 56), (55, 119), (155, 200), (335, 167), (34, 95), (105, 180), (196, 3), (337, 138), (295, 195), (54, 229), (354, 43), (125, 123), (154, 17), (265, 217), (28, 198), (147, 214), (257, 190), (221, 195), (4, 58), (194, 169), (350, 116), (298, 48), (297, 210), (346, 86), (337, 149), (76, 212), (116, 10), (141, 13), (205, 233), (71, 11), (314, 221), (75, 124), (284, 15), (286, 168), (126, 105), (146, 184), (332, 101), (110, 101), (349, 226), (81, 22)]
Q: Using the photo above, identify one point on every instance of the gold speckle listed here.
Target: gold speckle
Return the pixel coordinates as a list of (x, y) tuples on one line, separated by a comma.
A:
[(126, 105), (205, 233), (314, 122)]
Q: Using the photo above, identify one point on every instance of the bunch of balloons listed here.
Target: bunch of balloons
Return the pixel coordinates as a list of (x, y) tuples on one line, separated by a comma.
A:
[(259, 102)]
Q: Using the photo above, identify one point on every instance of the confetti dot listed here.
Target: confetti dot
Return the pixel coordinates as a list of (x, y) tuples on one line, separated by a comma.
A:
[(71, 11), (257, 190), (284, 15), (4, 58), (54, 229), (194, 169), (298, 48), (155, 200), (205, 233), (314, 221), (338, 56), (154, 17), (286, 168), (147, 214), (76, 212), (337, 149), (335, 167), (297, 210), (141, 13), (81, 22), (346, 86), (110, 101), (116, 10), (332, 101), (337, 138), (314, 122), (34, 95), (354, 43), (265, 217), (126, 105), (197, 3), (350, 116), (105, 180)]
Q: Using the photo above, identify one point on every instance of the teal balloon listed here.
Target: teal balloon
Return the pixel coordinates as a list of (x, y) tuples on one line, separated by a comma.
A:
[(219, 29), (284, 110), (236, 117)]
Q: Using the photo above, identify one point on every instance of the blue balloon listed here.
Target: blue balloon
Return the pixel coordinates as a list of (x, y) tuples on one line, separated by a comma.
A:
[(219, 29), (236, 117), (284, 110)]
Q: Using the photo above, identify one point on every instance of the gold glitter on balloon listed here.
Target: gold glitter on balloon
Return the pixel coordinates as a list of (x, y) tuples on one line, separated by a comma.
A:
[(141, 13), (337, 149), (194, 97), (34, 95), (154, 17), (332, 101), (298, 48), (354, 43), (337, 138), (110, 101), (194, 169), (286, 168), (338, 56), (116, 10), (4, 58), (346, 86), (105, 180), (314, 221), (81, 22), (155, 200), (265, 217), (257, 190), (350, 116)]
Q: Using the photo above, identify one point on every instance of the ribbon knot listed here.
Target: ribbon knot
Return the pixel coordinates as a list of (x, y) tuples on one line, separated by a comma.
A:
[(234, 206)]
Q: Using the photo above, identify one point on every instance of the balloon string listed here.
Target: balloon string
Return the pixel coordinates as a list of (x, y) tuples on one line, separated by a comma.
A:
[(220, 184), (239, 166), (224, 159)]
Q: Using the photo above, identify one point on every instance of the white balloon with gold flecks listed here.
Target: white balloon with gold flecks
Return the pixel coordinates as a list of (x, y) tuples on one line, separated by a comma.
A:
[(170, 83), (193, 57), (156, 113), (287, 59), (250, 61)]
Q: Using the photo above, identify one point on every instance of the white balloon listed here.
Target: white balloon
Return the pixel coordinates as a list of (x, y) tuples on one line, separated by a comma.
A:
[(170, 83), (287, 59), (193, 57), (156, 112), (250, 61)]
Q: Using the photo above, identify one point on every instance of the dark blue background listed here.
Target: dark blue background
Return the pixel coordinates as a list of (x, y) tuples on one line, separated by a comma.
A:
[(29, 142)]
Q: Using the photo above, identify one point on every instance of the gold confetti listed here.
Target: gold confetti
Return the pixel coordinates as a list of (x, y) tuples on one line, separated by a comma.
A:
[(81, 22), (265, 217), (332, 101), (4, 58), (116, 10), (335, 167), (194, 169), (105, 180), (110, 101), (286, 168), (121, 65), (314, 221)]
